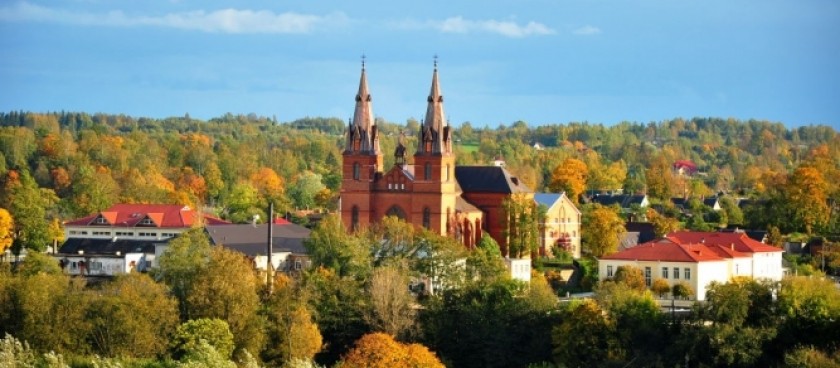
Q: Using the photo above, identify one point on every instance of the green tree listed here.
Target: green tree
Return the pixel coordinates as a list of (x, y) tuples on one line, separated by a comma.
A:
[(27, 205), (227, 288), (39, 263), (50, 312), (181, 263), (330, 246), (306, 187), (213, 331), (485, 263), (810, 309)]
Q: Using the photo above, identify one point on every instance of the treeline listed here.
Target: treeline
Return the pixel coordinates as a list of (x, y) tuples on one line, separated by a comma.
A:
[(66, 164), (206, 307)]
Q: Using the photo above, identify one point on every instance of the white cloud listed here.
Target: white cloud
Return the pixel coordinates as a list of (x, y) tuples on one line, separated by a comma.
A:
[(460, 25), (218, 21), (587, 30), (505, 28)]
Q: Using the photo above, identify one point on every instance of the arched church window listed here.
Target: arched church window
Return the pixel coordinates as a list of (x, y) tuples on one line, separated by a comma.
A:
[(397, 212)]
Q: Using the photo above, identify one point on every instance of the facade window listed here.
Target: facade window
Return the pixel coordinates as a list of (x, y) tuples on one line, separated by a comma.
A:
[(357, 171), (146, 234), (676, 273), (390, 186), (687, 273), (100, 220), (101, 233), (298, 265), (609, 271), (146, 221), (354, 218), (447, 172), (737, 268), (664, 272), (647, 276), (427, 173), (427, 218), (122, 233)]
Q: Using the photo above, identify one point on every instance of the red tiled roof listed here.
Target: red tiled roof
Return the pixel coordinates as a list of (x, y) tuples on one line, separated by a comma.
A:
[(667, 250), (163, 216), (737, 241)]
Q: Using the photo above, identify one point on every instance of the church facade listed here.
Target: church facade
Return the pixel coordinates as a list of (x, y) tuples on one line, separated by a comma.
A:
[(431, 192)]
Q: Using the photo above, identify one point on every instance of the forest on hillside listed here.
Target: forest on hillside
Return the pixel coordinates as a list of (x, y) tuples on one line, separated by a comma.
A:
[(206, 306)]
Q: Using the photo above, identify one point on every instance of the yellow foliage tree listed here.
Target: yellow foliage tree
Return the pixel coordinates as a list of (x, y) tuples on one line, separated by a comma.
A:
[(380, 350), (7, 226), (570, 176)]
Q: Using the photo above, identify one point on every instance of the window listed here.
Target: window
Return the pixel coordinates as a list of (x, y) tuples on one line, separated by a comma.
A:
[(427, 174), (122, 233), (676, 273), (664, 272), (354, 218), (146, 234), (687, 273), (737, 267), (447, 172), (647, 276), (101, 233), (609, 271), (100, 220), (298, 265), (427, 218), (357, 171), (146, 221)]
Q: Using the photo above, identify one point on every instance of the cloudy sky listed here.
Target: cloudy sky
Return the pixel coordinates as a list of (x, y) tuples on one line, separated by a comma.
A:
[(541, 61)]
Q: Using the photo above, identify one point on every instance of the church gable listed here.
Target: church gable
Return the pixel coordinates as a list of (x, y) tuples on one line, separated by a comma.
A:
[(397, 179)]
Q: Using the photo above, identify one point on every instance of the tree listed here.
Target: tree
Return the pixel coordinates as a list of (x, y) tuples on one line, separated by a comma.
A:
[(213, 331), (180, 265), (660, 286), (810, 309), (602, 228), (631, 276), (662, 224), (291, 333), (39, 263), (585, 337), (306, 187), (638, 321), (682, 290), (132, 316), (570, 177), (50, 310), (805, 195), (330, 246), (7, 226), (660, 179), (485, 263), (521, 220), (391, 304), (27, 206), (227, 288), (380, 350)]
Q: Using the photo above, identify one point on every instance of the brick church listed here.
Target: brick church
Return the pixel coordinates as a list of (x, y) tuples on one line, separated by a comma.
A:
[(430, 192)]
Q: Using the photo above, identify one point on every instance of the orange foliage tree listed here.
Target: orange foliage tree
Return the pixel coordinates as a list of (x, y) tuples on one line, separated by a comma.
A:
[(570, 176), (380, 350)]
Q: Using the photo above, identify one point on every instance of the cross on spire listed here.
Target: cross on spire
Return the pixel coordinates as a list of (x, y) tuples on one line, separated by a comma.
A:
[(436, 58), (363, 60)]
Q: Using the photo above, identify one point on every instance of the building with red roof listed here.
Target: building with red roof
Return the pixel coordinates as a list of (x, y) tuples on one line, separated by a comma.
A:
[(698, 259), (124, 237)]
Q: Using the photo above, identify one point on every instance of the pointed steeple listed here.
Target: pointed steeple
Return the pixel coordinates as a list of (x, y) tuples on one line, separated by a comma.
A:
[(435, 131), (362, 136)]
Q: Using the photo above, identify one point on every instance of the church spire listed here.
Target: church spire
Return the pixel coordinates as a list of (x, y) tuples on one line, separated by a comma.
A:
[(362, 136), (435, 131)]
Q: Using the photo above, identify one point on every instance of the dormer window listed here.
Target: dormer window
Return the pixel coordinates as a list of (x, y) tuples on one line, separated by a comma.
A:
[(147, 222), (100, 221)]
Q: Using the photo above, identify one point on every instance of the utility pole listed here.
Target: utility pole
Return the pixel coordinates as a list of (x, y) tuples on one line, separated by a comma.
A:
[(269, 279)]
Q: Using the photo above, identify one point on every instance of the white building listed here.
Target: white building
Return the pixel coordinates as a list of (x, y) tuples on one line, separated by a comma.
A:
[(698, 259), (124, 237)]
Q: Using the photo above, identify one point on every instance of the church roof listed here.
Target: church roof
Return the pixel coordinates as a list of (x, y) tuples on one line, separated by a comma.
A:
[(462, 205), (488, 179)]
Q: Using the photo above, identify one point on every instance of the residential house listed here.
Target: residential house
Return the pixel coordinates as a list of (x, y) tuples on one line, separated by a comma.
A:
[(124, 237), (698, 258), (685, 167), (627, 202), (561, 226), (288, 253)]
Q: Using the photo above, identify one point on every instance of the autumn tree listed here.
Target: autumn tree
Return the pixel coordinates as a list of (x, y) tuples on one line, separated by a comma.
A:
[(391, 304), (380, 350), (662, 224), (805, 195), (682, 290), (660, 287), (602, 227), (570, 177), (132, 316), (660, 179), (810, 309), (227, 288), (180, 265), (291, 332), (7, 225), (585, 337), (521, 220)]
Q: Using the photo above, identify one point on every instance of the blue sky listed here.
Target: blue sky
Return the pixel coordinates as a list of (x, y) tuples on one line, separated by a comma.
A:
[(540, 61)]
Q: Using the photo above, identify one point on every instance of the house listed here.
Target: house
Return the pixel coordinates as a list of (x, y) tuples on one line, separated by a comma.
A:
[(288, 255), (519, 269), (712, 202), (561, 226), (538, 146), (625, 201), (124, 237), (636, 233), (684, 167), (698, 258), (431, 192)]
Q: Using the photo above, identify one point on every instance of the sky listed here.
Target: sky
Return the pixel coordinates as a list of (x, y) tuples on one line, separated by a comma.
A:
[(538, 61)]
